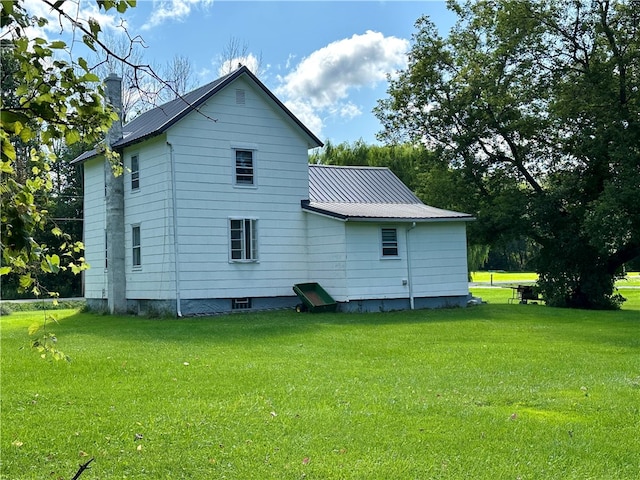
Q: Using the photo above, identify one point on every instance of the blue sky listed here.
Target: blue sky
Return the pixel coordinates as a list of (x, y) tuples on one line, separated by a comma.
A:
[(326, 60)]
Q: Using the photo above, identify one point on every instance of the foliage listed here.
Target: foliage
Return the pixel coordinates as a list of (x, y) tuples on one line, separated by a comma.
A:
[(535, 107), (406, 161), (494, 391), (47, 101)]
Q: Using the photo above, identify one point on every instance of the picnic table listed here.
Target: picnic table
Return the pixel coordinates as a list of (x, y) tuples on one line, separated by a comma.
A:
[(524, 294)]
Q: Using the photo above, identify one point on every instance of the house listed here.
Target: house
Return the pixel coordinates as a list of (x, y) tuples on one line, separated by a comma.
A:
[(218, 210)]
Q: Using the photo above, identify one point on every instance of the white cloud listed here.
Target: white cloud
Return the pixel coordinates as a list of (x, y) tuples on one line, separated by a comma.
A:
[(321, 83), (164, 10), (306, 114), (250, 61), (349, 110)]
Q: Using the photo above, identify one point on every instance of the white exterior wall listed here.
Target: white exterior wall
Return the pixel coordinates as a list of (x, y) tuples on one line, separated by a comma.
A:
[(150, 207), (327, 255), (207, 197), (370, 275), (439, 259), (346, 259), (437, 256), (95, 278)]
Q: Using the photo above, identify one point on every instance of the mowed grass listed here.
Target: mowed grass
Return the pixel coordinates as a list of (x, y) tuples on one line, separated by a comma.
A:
[(496, 391)]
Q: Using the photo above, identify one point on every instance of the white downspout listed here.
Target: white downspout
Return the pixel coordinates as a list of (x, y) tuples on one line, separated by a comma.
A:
[(409, 277), (176, 245)]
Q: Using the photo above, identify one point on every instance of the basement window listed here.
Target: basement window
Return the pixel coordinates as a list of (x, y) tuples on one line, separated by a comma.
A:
[(240, 303)]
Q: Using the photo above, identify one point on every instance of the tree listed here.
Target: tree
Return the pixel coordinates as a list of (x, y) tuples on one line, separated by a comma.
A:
[(235, 54), (121, 45), (52, 98), (535, 104)]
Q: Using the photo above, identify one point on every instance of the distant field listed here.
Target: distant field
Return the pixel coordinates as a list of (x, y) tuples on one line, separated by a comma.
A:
[(495, 391), (632, 278)]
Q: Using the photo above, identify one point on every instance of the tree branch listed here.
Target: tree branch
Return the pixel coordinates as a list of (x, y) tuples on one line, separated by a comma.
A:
[(82, 468)]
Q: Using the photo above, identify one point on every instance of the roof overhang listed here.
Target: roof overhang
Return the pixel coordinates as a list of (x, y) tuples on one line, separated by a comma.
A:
[(384, 212)]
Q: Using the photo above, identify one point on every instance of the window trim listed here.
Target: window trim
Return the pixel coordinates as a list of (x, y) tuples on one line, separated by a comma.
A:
[(135, 174), (389, 244), (136, 248), (243, 249)]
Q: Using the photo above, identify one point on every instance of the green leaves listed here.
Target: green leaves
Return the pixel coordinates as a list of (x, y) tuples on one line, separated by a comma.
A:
[(536, 104), (50, 264)]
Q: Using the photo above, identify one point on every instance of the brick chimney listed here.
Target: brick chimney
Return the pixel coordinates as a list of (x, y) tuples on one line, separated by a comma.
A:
[(116, 278)]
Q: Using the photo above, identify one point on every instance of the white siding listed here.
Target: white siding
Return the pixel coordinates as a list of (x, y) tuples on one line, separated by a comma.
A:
[(95, 280), (150, 208), (370, 275), (327, 255), (439, 259), (207, 197)]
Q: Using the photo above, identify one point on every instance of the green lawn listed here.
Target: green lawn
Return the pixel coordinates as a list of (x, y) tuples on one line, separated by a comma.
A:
[(496, 391)]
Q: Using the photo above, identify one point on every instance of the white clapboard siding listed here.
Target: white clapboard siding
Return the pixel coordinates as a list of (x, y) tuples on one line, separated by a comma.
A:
[(370, 275), (207, 198), (95, 281), (439, 253), (327, 255), (150, 208)]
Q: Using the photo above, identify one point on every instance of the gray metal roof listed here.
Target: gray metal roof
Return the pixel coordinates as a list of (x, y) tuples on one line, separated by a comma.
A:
[(157, 120), (368, 193)]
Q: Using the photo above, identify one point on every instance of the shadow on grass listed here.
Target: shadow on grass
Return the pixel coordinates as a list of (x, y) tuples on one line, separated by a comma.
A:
[(614, 327)]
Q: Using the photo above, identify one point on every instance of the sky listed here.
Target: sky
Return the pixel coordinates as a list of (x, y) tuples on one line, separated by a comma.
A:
[(327, 61)]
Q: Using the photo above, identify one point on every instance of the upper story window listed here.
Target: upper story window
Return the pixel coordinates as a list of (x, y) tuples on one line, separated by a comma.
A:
[(243, 240), (389, 242), (244, 167), (135, 172), (136, 246)]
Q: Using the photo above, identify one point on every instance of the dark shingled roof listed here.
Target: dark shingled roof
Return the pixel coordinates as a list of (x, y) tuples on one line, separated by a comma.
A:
[(157, 120), (368, 193)]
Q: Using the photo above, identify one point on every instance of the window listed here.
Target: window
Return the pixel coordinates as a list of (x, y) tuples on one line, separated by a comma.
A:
[(389, 242), (135, 172), (244, 246), (106, 249), (136, 253), (244, 167)]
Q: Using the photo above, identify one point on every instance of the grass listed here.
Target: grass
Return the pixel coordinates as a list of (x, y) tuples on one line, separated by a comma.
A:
[(494, 391)]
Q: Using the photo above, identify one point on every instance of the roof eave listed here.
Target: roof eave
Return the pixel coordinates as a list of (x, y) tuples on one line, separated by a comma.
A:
[(357, 218)]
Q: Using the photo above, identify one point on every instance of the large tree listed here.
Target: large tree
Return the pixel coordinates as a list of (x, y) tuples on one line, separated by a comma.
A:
[(536, 105)]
